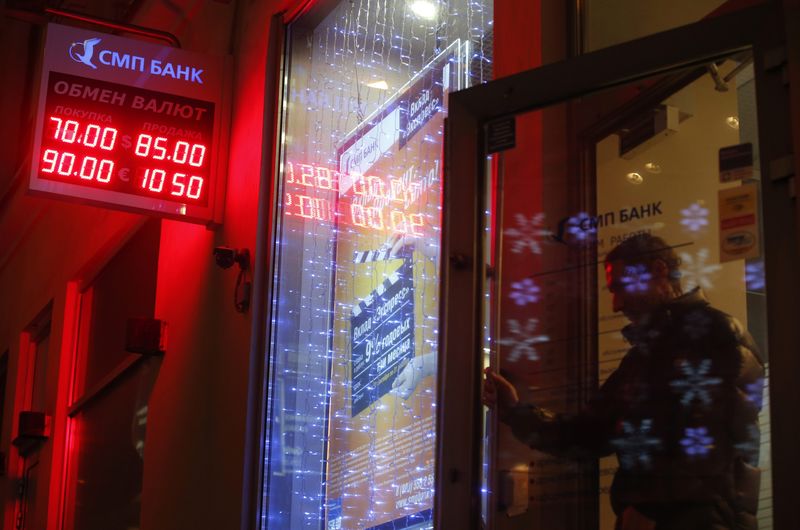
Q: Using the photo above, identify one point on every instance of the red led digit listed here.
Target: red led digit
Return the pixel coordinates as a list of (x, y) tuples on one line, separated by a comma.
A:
[(197, 182), (376, 187), (180, 152), (288, 204), (70, 131), (64, 158), (158, 147), (197, 155), (157, 186), (323, 178), (306, 206), (108, 139), (289, 172), (108, 166), (177, 182), (58, 121), (306, 173), (399, 222), (143, 144), (50, 156), (324, 210), (154, 179), (83, 172), (417, 221), (92, 135), (358, 216), (375, 218)]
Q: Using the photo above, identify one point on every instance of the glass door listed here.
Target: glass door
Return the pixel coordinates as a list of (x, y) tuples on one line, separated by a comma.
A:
[(616, 289)]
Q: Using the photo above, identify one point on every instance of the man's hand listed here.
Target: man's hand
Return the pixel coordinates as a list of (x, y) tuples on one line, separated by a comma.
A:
[(499, 393)]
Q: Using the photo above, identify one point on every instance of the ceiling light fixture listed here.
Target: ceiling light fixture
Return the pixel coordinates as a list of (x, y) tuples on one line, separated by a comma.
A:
[(652, 167), (634, 178), (424, 9)]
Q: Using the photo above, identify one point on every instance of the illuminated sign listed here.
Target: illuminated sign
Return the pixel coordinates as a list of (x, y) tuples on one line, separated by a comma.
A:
[(130, 125)]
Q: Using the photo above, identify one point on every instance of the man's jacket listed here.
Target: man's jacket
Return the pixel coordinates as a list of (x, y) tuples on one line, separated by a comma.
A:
[(680, 413)]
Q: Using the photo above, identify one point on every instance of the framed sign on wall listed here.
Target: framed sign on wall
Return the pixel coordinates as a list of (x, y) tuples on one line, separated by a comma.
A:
[(130, 125)]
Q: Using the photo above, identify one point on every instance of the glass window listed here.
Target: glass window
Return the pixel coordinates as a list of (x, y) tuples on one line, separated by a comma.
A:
[(125, 288), (354, 319), (108, 414)]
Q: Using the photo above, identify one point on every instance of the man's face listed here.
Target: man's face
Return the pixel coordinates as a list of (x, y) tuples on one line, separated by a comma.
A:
[(633, 289)]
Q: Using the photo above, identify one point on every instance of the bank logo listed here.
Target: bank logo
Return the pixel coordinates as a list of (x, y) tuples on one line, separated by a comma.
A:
[(82, 52)]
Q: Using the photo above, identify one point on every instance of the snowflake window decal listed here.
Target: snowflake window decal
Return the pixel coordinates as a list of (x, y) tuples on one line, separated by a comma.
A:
[(697, 442), (694, 218), (523, 340), (636, 278), (528, 233), (637, 444), (582, 227), (524, 292), (696, 271), (696, 383)]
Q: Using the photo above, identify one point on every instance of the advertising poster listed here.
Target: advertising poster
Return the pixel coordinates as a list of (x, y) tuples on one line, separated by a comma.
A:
[(380, 461)]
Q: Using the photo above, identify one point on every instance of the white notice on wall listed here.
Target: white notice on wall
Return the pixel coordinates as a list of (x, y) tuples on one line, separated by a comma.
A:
[(738, 223)]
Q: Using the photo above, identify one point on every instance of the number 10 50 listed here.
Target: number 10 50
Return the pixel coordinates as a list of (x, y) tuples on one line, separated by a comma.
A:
[(181, 184)]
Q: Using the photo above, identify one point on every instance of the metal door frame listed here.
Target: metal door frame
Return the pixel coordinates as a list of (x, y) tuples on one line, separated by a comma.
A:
[(463, 274)]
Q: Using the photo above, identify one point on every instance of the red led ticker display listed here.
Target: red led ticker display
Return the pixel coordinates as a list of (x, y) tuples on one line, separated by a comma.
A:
[(135, 151), (369, 202)]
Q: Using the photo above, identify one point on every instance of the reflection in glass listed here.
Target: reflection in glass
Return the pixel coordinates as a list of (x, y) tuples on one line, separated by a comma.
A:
[(352, 354), (627, 386)]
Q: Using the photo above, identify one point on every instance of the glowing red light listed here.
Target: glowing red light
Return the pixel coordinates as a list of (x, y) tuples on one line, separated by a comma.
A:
[(382, 204), (64, 164), (180, 153), (69, 133), (50, 156), (154, 180), (88, 139), (102, 151), (68, 160)]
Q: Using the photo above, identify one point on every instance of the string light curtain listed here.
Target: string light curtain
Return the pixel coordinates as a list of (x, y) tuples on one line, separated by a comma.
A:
[(354, 316)]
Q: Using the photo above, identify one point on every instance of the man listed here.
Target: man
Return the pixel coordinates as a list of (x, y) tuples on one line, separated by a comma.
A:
[(680, 412)]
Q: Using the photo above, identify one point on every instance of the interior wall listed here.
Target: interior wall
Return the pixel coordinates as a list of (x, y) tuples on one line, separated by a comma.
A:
[(193, 475), (609, 22), (194, 461)]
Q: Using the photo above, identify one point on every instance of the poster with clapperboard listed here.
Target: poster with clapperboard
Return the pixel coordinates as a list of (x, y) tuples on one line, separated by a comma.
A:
[(380, 461)]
